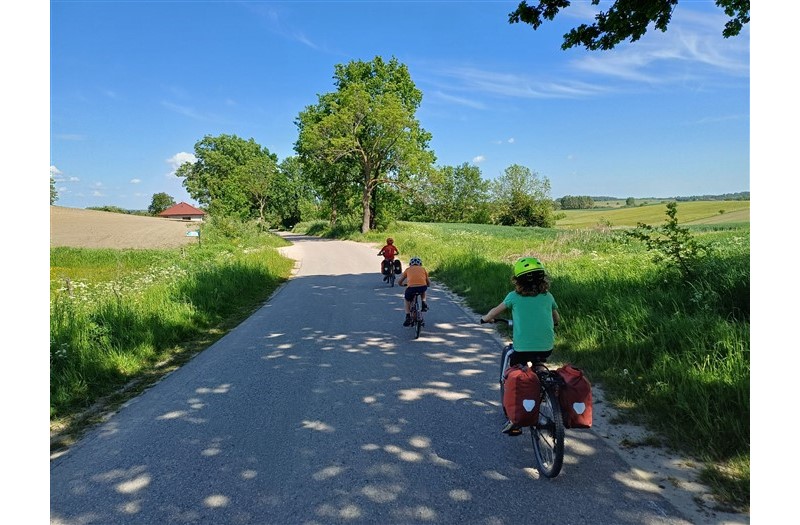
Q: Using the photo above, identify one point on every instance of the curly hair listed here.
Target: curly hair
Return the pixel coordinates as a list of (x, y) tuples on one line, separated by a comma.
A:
[(532, 283)]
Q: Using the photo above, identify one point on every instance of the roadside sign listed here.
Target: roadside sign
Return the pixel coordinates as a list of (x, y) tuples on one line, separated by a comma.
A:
[(193, 233)]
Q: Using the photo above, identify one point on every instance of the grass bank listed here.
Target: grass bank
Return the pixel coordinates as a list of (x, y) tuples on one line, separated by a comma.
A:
[(122, 315), (673, 355)]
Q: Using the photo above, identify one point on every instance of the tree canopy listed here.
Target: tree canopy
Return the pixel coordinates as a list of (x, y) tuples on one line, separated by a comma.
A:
[(161, 201), (522, 198), (625, 19), (231, 176), (365, 134)]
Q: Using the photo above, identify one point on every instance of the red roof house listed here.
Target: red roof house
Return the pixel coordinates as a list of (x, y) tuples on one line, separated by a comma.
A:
[(184, 212)]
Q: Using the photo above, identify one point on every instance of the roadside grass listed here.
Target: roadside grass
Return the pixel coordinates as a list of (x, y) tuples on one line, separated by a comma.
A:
[(121, 316), (671, 354), (693, 212)]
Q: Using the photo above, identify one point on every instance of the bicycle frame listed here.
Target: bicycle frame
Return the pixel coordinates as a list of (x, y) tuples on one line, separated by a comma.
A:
[(417, 321)]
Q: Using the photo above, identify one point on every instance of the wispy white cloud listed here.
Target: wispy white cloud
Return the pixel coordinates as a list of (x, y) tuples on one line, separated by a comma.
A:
[(463, 101), (276, 24), (183, 110), (97, 193), (478, 159), (692, 48), (511, 140), (136, 181), (513, 85), (58, 176), (726, 118)]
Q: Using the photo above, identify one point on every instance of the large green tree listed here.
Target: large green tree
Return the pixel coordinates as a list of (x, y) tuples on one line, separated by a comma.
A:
[(624, 19), (522, 198), (229, 176), (161, 201), (450, 194), (367, 128)]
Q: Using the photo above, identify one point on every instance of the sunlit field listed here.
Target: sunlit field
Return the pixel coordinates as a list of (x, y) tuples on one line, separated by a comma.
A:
[(117, 314), (673, 354)]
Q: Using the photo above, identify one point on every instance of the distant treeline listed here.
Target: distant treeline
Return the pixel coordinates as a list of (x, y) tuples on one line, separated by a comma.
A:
[(740, 196), (116, 209)]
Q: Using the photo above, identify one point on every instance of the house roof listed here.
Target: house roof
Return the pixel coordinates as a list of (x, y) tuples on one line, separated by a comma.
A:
[(181, 209)]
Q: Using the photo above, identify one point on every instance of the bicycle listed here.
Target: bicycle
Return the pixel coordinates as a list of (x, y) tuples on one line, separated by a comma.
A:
[(547, 436), (417, 319), (389, 277)]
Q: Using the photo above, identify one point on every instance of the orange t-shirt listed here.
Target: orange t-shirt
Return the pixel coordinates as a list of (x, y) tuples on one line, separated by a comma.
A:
[(416, 275)]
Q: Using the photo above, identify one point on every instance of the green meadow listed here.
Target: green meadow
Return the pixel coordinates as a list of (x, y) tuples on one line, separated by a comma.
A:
[(122, 316), (672, 354), (691, 213)]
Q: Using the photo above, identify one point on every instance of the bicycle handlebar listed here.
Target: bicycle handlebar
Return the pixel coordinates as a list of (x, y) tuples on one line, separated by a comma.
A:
[(498, 320)]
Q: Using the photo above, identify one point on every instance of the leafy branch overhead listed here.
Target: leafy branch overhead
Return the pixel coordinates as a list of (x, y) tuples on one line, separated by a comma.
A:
[(625, 19)]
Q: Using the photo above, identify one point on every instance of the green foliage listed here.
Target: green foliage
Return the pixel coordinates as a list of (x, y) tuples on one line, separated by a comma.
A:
[(231, 176), (623, 20), (160, 202), (113, 209), (53, 191), (630, 201), (364, 135), (675, 353), (569, 202), (671, 244), (448, 194), (115, 314), (521, 198)]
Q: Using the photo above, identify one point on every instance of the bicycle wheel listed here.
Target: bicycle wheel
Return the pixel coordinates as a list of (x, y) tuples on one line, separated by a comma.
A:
[(418, 325), (548, 436), (391, 279)]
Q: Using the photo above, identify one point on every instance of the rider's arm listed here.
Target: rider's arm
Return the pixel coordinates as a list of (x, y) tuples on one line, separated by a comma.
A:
[(494, 312), (556, 317)]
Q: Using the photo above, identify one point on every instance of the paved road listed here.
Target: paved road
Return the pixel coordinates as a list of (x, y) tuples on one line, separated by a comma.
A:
[(321, 408)]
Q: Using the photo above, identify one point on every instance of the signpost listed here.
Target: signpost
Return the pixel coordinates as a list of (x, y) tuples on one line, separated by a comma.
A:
[(194, 233)]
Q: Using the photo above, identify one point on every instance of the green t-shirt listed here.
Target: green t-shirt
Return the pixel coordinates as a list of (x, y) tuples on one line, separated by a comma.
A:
[(533, 321)]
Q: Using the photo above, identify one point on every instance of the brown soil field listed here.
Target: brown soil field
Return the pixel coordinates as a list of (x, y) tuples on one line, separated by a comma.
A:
[(79, 228)]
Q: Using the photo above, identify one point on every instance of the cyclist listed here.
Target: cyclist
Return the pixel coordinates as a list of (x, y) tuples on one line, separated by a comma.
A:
[(418, 283), (388, 251), (535, 314)]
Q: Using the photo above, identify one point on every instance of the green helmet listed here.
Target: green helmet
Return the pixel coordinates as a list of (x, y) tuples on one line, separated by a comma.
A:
[(527, 265)]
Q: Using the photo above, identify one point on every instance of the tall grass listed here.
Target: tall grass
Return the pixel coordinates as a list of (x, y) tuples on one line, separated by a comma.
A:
[(675, 353), (116, 313)]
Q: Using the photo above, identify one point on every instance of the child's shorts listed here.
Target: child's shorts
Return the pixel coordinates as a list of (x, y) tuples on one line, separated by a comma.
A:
[(412, 290)]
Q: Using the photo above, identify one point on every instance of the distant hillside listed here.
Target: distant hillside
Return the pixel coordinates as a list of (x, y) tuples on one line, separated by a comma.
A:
[(740, 196), (694, 212)]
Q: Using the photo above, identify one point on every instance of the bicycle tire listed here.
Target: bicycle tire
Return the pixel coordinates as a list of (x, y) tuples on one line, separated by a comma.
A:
[(548, 437), (391, 280), (416, 320)]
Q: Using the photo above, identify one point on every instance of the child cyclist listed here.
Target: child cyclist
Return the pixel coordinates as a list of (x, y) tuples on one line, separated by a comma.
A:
[(388, 251), (535, 314), (418, 282)]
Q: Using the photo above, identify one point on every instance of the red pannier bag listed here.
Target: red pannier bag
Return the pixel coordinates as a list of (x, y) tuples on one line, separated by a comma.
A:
[(521, 395), (575, 397)]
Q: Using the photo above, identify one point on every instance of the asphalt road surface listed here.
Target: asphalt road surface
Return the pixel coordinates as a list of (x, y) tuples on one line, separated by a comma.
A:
[(322, 408)]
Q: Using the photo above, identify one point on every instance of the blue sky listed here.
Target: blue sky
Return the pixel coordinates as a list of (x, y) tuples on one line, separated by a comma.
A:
[(134, 85)]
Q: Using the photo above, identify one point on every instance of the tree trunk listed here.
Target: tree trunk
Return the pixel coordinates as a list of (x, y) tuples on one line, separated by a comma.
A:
[(365, 202)]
